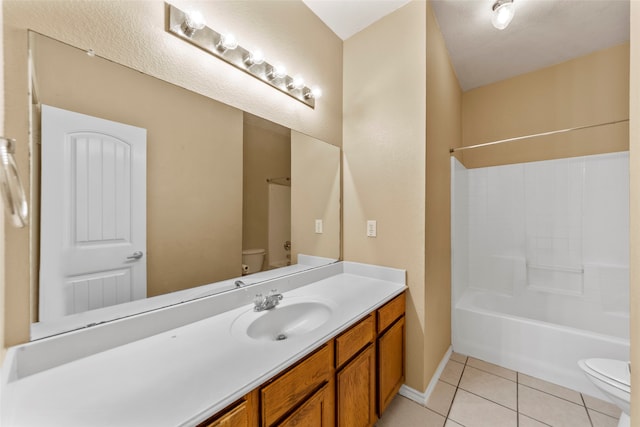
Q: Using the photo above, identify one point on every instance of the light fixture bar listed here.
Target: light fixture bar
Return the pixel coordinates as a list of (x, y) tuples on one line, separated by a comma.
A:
[(210, 41)]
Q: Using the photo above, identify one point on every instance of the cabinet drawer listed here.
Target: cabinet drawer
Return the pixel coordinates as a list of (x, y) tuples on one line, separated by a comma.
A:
[(285, 392), (391, 311), (353, 340)]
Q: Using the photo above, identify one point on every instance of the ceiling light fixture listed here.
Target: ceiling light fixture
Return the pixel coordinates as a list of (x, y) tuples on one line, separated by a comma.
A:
[(190, 26), (502, 13)]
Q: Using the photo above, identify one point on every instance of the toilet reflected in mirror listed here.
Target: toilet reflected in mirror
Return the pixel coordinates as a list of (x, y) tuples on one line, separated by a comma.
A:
[(252, 260)]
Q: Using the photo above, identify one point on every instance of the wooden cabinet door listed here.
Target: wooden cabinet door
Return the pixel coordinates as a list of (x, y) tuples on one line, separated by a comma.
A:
[(390, 364), (356, 391), (237, 417), (290, 389), (317, 411)]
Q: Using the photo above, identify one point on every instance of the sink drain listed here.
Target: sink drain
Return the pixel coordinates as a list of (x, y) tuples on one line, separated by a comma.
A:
[(281, 337)]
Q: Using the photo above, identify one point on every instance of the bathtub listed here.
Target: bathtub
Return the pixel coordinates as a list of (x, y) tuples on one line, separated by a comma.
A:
[(485, 325)]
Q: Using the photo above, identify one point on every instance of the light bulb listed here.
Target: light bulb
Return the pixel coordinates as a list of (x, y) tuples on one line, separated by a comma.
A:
[(193, 21), (314, 93), (503, 11), (278, 71), (228, 42), (296, 83), (255, 57)]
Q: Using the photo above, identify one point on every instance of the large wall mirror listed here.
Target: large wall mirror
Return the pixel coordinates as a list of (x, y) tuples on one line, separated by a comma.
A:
[(146, 194)]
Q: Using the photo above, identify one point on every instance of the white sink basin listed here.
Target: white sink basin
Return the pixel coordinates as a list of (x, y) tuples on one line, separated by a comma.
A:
[(290, 319)]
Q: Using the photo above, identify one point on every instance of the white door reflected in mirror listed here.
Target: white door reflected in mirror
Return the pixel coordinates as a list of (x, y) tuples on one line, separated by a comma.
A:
[(93, 213)]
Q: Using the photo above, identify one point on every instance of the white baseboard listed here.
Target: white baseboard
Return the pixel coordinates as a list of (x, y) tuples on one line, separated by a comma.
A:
[(422, 398)]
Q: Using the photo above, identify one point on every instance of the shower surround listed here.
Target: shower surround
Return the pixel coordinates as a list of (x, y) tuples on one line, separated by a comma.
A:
[(540, 266)]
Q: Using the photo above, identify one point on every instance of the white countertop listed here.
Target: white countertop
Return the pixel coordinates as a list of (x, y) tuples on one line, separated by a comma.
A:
[(181, 376)]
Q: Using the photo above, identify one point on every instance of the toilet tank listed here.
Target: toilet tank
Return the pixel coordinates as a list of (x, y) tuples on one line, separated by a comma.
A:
[(253, 259)]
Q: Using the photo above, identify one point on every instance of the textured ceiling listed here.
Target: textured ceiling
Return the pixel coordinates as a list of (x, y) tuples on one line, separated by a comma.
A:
[(542, 33)]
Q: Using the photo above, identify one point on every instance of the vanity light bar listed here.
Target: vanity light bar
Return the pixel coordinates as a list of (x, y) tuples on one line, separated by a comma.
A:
[(182, 25)]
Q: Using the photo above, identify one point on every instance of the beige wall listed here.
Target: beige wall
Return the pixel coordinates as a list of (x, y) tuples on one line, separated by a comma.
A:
[(634, 261), (133, 33), (194, 160), (384, 158), (315, 194), (444, 109), (588, 90), (267, 154)]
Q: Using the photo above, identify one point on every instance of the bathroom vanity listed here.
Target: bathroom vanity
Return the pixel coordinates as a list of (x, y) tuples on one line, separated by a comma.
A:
[(331, 351), (350, 379)]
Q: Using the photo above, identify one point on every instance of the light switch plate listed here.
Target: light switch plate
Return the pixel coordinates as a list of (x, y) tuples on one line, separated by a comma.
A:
[(372, 228), (319, 226)]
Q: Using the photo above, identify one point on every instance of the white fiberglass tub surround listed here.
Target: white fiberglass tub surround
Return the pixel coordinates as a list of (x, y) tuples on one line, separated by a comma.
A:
[(540, 264)]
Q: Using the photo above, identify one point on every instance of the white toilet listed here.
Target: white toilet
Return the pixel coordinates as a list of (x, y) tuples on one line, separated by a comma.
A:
[(613, 378), (252, 260)]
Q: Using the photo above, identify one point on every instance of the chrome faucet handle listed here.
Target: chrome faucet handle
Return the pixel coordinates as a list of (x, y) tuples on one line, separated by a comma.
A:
[(258, 300)]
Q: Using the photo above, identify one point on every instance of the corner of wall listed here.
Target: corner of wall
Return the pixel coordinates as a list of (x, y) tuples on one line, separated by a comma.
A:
[(443, 120)]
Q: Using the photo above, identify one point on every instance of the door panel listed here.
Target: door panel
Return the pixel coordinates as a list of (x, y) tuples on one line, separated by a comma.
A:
[(93, 213)]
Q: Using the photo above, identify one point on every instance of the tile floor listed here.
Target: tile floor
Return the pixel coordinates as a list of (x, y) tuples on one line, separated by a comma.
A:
[(474, 393)]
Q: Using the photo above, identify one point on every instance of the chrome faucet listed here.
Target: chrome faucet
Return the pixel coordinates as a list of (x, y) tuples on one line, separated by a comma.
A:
[(267, 303)]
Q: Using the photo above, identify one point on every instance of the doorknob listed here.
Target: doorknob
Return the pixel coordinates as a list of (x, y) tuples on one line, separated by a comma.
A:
[(287, 245), (135, 255)]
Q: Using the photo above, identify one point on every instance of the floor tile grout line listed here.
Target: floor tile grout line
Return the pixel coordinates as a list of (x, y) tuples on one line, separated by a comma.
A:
[(604, 413), (586, 409), (464, 366), (597, 410), (489, 400), (553, 395), (495, 375), (486, 398), (536, 420), (518, 383), (517, 399)]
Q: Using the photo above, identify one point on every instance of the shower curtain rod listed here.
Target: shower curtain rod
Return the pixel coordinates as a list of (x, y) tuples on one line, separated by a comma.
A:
[(518, 138)]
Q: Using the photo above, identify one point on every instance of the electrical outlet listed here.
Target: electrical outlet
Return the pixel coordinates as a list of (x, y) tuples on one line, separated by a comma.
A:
[(372, 228), (319, 226)]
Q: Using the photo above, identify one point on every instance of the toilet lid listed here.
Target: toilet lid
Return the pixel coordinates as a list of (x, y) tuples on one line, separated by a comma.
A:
[(616, 370)]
